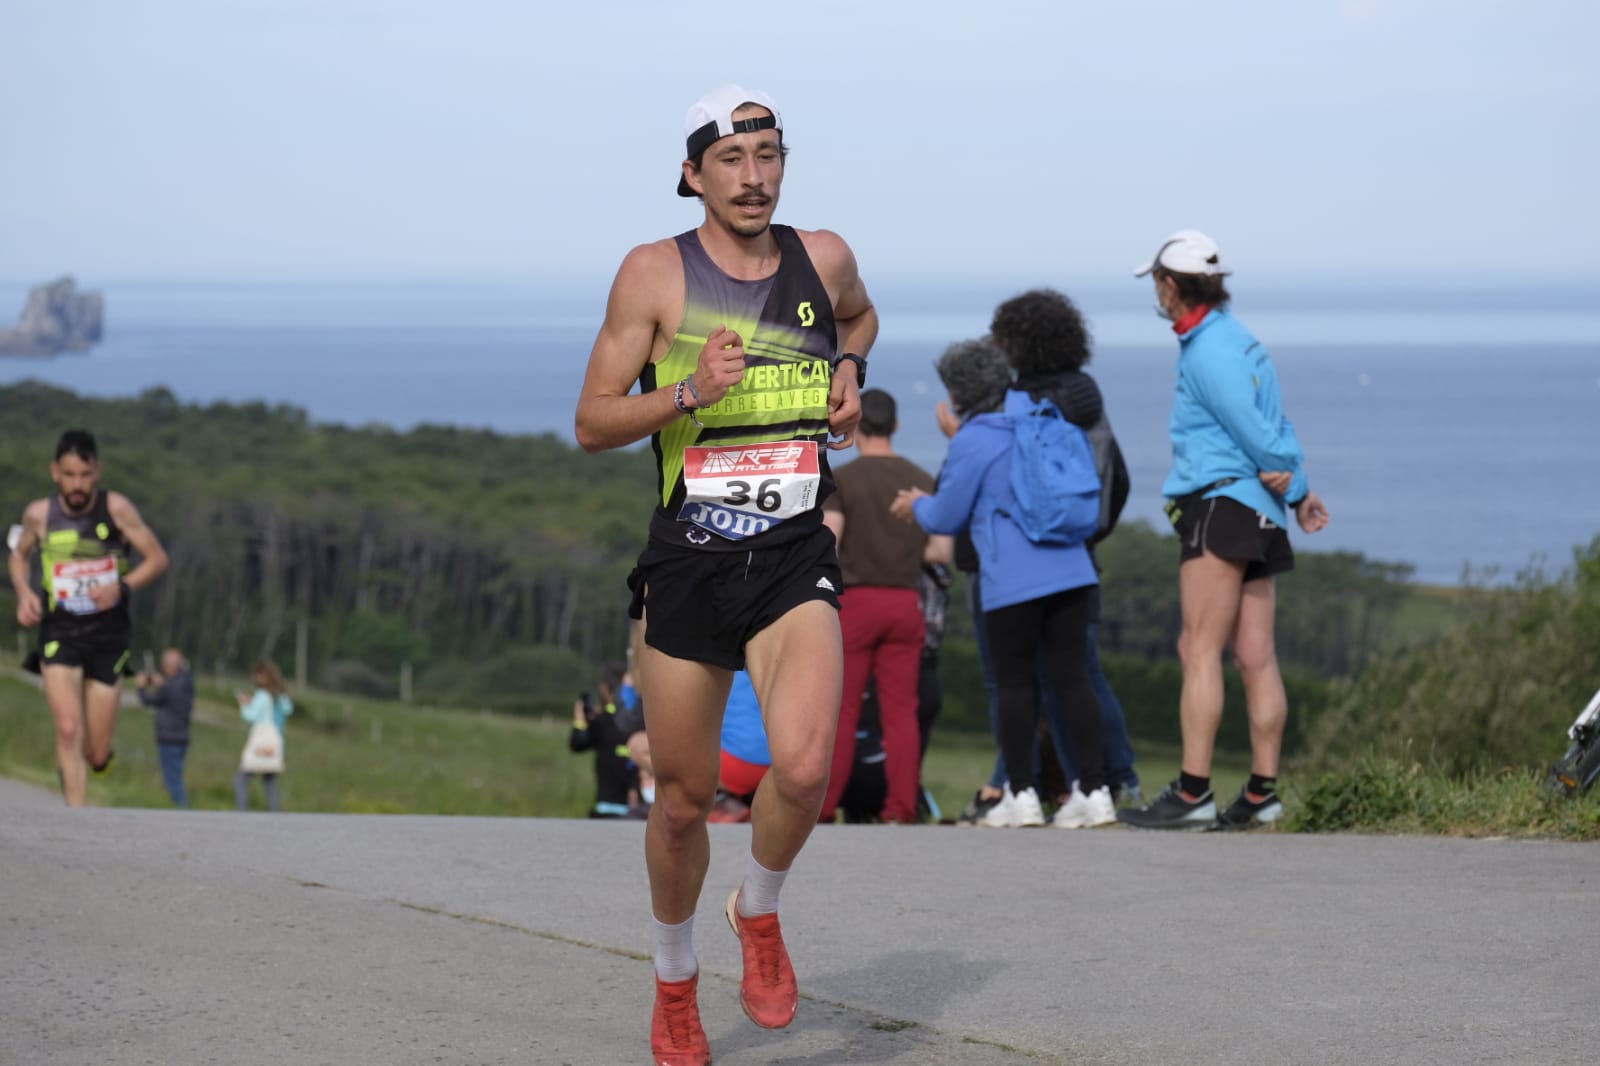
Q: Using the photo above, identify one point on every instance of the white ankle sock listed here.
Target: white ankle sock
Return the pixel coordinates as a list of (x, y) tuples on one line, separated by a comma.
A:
[(675, 959), (759, 894)]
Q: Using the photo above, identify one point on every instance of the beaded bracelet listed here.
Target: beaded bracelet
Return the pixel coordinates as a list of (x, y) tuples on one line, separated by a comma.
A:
[(683, 408)]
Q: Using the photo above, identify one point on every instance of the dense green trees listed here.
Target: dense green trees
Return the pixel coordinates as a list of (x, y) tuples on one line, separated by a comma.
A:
[(438, 547), (494, 565)]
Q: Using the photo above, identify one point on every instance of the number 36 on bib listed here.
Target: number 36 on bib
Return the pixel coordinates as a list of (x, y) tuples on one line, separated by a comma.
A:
[(740, 490)]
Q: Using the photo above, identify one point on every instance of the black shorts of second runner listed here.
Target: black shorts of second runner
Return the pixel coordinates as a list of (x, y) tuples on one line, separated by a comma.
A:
[(100, 660), (1227, 528), (705, 606)]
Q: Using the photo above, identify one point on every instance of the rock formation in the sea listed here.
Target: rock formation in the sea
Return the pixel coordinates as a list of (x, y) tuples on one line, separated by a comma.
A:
[(57, 318)]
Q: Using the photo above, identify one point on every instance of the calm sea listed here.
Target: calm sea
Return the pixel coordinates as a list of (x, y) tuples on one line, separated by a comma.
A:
[(1441, 433)]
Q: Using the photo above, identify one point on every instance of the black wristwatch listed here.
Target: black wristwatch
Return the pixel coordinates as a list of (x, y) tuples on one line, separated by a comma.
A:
[(861, 367)]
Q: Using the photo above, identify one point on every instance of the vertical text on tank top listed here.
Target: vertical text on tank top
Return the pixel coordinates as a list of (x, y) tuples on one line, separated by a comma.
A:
[(716, 477)]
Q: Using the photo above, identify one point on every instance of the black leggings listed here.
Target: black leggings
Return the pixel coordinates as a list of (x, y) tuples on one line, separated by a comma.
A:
[(1057, 626)]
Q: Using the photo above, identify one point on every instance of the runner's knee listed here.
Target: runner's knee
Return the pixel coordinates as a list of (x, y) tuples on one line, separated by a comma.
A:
[(682, 807), (803, 781), (69, 731)]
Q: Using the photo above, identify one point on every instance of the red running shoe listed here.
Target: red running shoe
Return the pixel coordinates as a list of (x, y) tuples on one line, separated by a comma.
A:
[(676, 1038), (768, 992)]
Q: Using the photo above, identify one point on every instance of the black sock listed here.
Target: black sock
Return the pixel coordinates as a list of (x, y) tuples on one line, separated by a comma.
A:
[(1262, 786), (1194, 786)]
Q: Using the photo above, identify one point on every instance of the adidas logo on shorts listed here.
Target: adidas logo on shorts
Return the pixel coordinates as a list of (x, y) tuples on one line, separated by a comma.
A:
[(824, 583)]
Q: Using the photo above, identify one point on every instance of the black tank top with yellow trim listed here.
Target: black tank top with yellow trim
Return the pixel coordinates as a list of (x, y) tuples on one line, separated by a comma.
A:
[(756, 472), (79, 551)]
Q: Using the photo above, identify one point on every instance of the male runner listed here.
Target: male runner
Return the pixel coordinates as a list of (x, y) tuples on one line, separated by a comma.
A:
[(84, 535), (748, 341)]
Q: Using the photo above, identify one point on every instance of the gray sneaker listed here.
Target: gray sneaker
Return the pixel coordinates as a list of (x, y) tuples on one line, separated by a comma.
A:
[(1173, 810), (1246, 813)]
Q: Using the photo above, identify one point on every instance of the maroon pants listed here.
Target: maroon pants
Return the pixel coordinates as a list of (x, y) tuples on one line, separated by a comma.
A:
[(883, 633)]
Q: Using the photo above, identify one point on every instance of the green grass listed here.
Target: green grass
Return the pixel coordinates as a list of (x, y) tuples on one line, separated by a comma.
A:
[(367, 756), (370, 756), (343, 754), (1386, 795)]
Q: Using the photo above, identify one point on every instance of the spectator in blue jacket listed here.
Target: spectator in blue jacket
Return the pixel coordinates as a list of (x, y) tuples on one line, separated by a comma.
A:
[(1237, 468), (1047, 343), (1036, 598)]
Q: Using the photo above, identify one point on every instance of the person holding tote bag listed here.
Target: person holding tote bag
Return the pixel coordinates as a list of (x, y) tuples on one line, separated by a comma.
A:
[(266, 711)]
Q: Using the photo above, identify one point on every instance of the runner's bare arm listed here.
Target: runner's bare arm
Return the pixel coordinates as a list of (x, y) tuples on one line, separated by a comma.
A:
[(152, 557), (649, 288), (857, 323), (608, 416), (29, 607), (856, 317)]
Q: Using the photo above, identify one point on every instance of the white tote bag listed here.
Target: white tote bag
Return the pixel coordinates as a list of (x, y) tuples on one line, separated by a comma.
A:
[(263, 749)]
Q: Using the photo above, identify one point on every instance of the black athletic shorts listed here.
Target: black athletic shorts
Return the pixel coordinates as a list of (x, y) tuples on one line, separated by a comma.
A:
[(102, 660), (1227, 528), (705, 606)]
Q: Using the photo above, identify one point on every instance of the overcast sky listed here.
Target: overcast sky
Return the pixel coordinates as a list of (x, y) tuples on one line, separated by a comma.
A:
[(242, 140)]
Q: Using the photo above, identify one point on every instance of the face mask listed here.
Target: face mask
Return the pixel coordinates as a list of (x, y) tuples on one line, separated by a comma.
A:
[(1162, 312), (648, 793)]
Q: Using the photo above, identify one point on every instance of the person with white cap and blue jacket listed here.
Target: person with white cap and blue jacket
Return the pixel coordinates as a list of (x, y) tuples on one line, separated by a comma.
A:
[(1237, 470)]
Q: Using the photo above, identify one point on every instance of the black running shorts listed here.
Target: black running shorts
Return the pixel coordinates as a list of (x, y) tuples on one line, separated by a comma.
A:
[(100, 661), (705, 606), (1228, 529)]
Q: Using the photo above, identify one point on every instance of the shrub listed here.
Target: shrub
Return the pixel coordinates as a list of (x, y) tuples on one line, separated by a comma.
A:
[(1496, 690)]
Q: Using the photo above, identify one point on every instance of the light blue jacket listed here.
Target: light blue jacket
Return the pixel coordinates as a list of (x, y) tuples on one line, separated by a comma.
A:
[(974, 490), (263, 704), (1228, 420)]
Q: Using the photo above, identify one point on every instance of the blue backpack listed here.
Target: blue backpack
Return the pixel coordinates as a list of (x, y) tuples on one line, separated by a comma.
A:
[(1053, 475)]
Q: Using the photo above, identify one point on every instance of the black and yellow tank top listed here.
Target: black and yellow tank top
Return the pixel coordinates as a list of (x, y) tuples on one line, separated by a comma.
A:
[(77, 553), (755, 472)]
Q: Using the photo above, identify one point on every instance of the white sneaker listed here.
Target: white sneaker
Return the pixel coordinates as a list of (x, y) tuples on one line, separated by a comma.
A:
[(1086, 812), (1015, 810), (1028, 810)]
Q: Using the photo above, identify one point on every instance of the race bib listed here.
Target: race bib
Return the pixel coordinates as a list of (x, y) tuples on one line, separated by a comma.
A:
[(72, 579), (741, 490)]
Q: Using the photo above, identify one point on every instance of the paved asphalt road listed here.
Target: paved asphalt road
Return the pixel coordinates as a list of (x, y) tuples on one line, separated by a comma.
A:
[(172, 938)]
